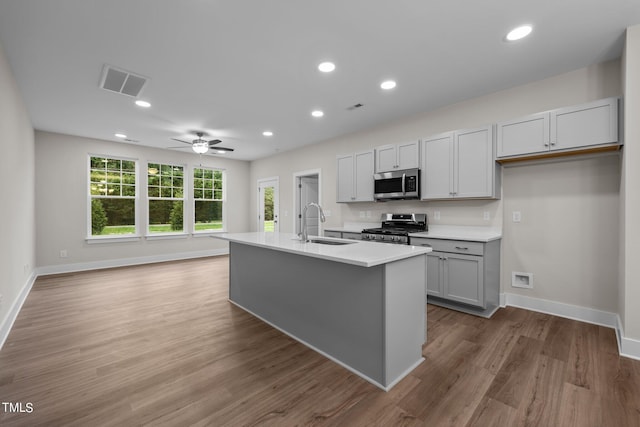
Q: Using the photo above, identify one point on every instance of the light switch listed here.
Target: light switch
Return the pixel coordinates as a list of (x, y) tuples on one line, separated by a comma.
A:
[(517, 216)]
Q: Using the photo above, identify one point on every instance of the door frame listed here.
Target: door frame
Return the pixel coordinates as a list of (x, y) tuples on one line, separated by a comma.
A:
[(296, 180), (276, 202)]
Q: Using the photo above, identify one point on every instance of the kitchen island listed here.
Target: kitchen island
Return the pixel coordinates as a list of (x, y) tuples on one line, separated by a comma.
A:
[(360, 304)]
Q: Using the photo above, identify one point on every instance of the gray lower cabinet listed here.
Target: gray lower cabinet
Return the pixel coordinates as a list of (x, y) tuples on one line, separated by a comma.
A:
[(463, 275)]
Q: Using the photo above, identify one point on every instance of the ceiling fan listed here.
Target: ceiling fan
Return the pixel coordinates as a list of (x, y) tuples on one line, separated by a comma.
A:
[(201, 146)]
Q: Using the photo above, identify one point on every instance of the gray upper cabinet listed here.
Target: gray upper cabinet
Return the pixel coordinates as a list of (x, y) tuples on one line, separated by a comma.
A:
[(460, 164), (392, 157), (562, 130), (355, 177)]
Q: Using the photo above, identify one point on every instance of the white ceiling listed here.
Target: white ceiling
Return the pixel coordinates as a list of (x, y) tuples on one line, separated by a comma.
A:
[(238, 67)]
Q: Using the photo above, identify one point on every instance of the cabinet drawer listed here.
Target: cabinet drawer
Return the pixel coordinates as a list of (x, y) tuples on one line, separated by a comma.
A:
[(452, 246)]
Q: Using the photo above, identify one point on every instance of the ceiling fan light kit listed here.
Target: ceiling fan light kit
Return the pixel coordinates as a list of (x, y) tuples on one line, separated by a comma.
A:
[(200, 147)]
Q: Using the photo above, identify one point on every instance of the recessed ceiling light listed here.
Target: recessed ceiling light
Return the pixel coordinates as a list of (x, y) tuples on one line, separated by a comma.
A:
[(388, 84), (518, 33), (317, 113), (141, 103), (267, 133), (327, 67), (120, 135)]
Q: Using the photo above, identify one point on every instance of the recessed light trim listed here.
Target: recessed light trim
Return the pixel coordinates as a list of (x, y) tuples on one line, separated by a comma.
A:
[(317, 113), (267, 133), (388, 84), (143, 104), (518, 33), (120, 135), (327, 67)]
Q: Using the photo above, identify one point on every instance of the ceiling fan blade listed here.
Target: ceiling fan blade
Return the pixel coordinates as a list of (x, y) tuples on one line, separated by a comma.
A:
[(214, 142), (179, 140), (221, 149), (179, 147)]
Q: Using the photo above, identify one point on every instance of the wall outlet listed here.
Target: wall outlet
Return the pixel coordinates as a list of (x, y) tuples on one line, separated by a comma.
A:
[(517, 216), (368, 214), (436, 214), (486, 216), (362, 214), (63, 253), (521, 280)]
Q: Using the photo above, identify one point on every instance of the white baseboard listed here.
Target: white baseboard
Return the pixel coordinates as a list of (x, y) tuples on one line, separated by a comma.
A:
[(12, 314), (575, 312), (125, 262), (626, 346)]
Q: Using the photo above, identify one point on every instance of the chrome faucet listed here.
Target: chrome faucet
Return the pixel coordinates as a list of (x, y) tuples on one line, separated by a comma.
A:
[(304, 235)]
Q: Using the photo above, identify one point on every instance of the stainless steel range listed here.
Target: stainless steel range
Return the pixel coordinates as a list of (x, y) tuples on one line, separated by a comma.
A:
[(396, 228)]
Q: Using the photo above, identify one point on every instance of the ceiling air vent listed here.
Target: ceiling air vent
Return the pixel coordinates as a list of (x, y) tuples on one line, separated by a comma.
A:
[(121, 81)]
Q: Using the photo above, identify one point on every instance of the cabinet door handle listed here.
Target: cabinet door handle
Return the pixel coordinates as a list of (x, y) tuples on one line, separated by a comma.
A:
[(462, 248), (426, 244)]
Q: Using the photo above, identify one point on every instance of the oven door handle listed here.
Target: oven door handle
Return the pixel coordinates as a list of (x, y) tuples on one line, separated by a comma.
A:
[(404, 175)]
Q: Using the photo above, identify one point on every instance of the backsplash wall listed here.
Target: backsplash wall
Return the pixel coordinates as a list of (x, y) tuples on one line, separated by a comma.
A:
[(459, 212)]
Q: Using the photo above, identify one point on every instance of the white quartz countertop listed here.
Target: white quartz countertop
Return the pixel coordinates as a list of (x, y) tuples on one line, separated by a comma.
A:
[(364, 254), (461, 232)]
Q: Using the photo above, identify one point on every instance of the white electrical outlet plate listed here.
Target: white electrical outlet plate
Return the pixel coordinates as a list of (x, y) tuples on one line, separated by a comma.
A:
[(436, 215), (361, 214), (517, 216), (486, 216), (63, 253)]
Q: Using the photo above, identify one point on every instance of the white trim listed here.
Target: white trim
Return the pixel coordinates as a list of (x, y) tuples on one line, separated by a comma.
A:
[(627, 347), (575, 312), (124, 262), (161, 236), (112, 239), (12, 314), (276, 201), (296, 176)]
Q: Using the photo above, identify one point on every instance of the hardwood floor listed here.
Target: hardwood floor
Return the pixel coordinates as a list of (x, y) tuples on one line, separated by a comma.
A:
[(160, 345)]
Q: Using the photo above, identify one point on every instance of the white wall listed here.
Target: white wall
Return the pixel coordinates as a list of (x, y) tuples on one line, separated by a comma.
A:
[(562, 284), (17, 208), (61, 198), (630, 190)]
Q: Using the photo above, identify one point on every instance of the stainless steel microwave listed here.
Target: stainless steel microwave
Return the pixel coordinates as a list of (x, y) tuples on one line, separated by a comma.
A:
[(402, 184)]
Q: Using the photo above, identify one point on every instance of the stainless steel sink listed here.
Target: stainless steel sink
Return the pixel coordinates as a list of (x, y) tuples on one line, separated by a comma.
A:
[(330, 242)]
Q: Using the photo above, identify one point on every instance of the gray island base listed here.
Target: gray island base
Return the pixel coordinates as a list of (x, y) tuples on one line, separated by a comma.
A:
[(371, 320)]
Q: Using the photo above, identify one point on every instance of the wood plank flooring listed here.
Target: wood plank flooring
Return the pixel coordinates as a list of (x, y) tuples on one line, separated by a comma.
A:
[(160, 345)]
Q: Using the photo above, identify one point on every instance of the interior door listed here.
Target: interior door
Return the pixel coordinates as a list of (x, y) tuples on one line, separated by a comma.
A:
[(268, 210), (309, 193)]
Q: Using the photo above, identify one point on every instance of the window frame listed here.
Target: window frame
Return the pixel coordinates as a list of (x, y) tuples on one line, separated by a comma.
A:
[(194, 200), (185, 185), (135, 236)]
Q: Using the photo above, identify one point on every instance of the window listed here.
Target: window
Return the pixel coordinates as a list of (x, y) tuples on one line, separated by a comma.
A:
[(165, 187), (208, 195), (112, 190)]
